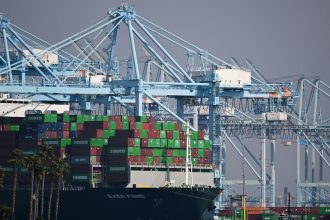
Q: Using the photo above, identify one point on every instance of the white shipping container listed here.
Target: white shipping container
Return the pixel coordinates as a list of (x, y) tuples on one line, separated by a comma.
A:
[(276, 116), (48, 58), (232, 78)]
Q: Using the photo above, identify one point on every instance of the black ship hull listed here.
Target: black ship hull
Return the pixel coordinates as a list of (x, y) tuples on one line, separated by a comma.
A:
[(126, 203)]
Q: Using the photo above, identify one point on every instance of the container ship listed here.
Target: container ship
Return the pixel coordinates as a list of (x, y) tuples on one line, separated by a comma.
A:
[(118, 166)]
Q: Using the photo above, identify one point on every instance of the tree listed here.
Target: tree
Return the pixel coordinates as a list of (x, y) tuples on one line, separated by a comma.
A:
[(5, 211), (52, 175), (62, 168), (33, 163), (47, 156), (17, 159)]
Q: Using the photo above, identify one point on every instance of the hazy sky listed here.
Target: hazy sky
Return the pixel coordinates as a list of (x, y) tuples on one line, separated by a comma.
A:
[(282, 37)]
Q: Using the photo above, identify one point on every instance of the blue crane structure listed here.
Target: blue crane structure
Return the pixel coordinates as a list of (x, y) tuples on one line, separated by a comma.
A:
[(85, 71)]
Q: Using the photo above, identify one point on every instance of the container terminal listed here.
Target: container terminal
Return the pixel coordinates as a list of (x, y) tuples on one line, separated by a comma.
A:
[(125, 112)]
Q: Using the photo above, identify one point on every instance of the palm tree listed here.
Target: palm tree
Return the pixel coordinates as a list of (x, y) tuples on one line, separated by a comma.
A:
[(33, 163), (5, 211), (17, 159), (47, 156), (52, 175), (62, 168)]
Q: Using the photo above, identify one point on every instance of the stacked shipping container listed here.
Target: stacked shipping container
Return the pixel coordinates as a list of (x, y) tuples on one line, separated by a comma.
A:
[(91, 143)]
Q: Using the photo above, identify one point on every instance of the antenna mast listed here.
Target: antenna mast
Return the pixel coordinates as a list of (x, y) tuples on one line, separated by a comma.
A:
[(188, 157)]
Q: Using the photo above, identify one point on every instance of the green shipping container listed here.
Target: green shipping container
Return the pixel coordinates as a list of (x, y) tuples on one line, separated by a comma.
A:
[(137, 142), (163, 143), (162, 134), (207, 144), (138, 125), (151, 142), (81, 118), (125, 125), (73, 126), (157, 152), (144, 133), (194, 161), (324, 210), (169, 160), (182, 153), (113, 125), (124, 118), (184, 127), (149, 160), (176, 135), (157, 142), (112, 133), (158, 125), (176, 153), (200, 153), (14, 128), (200, 144), (106, 134), (193, 143), (143, 118), (194, 135)]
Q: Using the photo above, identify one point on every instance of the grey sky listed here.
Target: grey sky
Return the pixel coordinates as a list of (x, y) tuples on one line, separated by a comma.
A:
[(282, 37)]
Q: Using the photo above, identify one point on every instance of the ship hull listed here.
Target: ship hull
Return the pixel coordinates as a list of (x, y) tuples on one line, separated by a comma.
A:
[(127, 203)]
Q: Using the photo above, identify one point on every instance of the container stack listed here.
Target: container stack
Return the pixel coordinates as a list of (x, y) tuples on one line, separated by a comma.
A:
[(103, 147), (9, 133)]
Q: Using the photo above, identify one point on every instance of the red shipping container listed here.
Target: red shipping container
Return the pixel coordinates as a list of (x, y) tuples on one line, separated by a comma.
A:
[(156, 133), (181, 160), (66, 134), (200, 135), (105, 125), (175, 160), (119, 125), (145, 126), (96, 151), (169, 134), (144, 142), (146, 152), (99, 133), (130, 142), (131, 118), (66, 126), (182, 135), (200, 161), (137, 133), (156, 160), (178, 126), (207, 153), (169, 152), (80, 126), (194, 152), (206, 160), (153, 133), (183, 144), (142, 159), (53, 134), (132, 125)]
